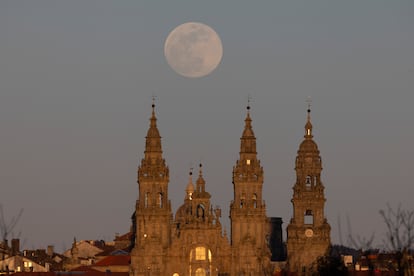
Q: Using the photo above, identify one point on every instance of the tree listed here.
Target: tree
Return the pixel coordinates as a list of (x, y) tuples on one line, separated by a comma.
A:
[(330, 265), (6, 227), (399, 237)]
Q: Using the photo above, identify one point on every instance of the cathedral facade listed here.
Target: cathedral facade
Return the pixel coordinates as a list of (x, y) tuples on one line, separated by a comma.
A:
[(193, 243)]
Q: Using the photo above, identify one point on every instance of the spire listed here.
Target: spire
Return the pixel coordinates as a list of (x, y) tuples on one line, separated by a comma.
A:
[(153, 140), (308, 161), (201, 184), (248, 140), (190, 187), (308, 126)]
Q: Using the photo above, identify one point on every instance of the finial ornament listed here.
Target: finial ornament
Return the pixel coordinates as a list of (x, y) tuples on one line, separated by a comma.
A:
[(200, 172), (308, 126), (153, 100), (309, 102), (249, 98)]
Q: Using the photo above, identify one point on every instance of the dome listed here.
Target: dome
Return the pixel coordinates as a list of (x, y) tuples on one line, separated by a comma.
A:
[(190, 187), (308, 145)]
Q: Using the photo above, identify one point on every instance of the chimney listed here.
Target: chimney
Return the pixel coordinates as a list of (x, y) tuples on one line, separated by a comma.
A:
[(15, 247), (50, 250)]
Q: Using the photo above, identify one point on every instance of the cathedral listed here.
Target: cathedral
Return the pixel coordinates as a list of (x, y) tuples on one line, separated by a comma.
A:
[(193, 243)]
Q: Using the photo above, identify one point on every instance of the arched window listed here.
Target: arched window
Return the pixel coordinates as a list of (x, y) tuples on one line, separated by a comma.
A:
[(254, 199), (160, 200), (308, 217), (200, 261), (200, 211), (200, 272), (242, 200), (308, 182)]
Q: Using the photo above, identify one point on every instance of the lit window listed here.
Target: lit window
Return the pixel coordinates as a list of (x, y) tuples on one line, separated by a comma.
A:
[(200, 254), (176, 274), (200, 272), (248, 161)]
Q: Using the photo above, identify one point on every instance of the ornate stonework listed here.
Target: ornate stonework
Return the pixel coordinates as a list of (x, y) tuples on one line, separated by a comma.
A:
[(249, 224), (193, 243), (308, 233)]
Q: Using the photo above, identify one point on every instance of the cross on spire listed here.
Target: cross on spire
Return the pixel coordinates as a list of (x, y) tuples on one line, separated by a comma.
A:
[(249, 97), (309, 102), (154, 97)]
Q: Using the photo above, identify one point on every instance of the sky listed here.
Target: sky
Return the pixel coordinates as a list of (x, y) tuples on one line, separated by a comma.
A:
[(76, 85)]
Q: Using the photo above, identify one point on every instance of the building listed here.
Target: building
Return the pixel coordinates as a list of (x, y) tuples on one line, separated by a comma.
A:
[(308, 233), (193, 242)]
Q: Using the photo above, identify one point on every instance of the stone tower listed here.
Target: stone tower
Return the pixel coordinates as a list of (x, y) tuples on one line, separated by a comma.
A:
[(153, 209), (308, 233), (249, 224)]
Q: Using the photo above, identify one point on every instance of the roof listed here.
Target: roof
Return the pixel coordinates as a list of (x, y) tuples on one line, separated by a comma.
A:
[(114, 260), (126, 236)]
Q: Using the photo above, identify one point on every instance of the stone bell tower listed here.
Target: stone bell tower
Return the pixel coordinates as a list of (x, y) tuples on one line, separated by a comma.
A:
[(153, 209), (308, 233), (249, 225)]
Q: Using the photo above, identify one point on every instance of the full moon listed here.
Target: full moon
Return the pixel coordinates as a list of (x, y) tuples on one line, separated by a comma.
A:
[(193, 49)]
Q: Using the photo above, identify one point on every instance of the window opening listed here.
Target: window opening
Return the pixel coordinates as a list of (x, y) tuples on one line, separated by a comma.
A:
[(242, 200), (308, 217), (308, 182), (160, 200), (200, 253), (254, 198), (200, 211)]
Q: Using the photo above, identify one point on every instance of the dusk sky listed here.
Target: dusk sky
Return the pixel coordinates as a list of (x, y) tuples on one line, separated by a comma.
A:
[(76, 85)]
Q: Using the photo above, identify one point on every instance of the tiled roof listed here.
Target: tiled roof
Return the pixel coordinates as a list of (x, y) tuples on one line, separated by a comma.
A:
[(106, 251), (115, 260)]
